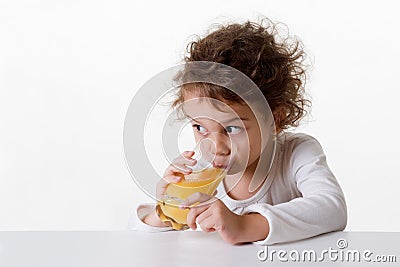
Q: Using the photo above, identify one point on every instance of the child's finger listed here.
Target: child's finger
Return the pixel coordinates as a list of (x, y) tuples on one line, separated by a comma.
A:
[(188, 154), (172, 169), (164, 182), (177, 167), (181, 168), (180, 164), (207, 224), (173, 178), (204, 199), (184, 161), (198, 214), (206, 221), (193, 214), (160, 188)]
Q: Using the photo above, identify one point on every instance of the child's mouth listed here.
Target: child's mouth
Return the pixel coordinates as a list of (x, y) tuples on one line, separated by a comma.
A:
[(222, 162), (219, 165)]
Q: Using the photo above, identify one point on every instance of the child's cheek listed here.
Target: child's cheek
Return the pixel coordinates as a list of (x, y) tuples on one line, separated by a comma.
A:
[(242, 150)]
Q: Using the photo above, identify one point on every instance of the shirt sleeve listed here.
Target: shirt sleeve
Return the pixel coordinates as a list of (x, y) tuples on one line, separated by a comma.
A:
[(320, 209), (136, 220)]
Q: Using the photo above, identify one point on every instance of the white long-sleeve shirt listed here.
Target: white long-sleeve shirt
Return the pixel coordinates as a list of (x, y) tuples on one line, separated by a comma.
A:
[(300, 198)]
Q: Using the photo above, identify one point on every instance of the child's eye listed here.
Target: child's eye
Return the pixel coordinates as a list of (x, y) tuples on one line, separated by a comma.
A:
[(233, 129), (199, 128)]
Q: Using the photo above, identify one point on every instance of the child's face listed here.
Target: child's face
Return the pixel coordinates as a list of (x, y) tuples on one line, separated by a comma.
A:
[(226, 128)]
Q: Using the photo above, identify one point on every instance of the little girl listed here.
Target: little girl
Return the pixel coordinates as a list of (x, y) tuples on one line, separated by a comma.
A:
[(300, 197)]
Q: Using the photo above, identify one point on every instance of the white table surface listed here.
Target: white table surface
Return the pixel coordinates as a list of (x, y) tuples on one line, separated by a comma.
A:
[(177, 248)]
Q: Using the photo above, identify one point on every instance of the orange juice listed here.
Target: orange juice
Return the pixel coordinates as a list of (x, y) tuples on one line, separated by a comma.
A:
[(205, 181)]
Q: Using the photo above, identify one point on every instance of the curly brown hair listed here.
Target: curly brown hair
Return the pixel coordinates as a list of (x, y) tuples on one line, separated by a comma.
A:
[(274, 64)]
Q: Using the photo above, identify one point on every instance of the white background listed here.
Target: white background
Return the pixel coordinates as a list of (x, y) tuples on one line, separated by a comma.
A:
[(69, 69)]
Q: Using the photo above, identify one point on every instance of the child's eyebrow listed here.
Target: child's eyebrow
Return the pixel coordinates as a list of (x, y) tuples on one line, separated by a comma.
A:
[(235, 119), (224, 122)]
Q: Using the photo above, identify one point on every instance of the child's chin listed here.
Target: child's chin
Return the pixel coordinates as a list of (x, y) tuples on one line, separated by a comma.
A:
[(236, 168)]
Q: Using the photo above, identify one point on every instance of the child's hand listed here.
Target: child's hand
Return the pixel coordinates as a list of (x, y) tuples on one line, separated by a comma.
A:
[(212, 215), (173, 174), (175, 171)]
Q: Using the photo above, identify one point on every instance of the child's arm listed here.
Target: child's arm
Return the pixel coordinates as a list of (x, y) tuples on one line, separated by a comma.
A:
[(145, 219), (322, 207), (153, 220), (255, 227)]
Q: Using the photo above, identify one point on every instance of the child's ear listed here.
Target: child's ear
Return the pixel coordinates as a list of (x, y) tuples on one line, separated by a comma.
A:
[(279, 117)]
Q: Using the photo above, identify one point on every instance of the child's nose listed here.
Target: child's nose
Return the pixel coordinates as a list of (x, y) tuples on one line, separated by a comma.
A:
[(221, 145)]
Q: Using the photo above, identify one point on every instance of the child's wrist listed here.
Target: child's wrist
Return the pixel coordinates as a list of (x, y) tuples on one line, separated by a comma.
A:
[(255, 228)]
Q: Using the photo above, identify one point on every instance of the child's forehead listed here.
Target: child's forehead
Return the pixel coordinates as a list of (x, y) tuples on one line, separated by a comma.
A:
[(198, 107)]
